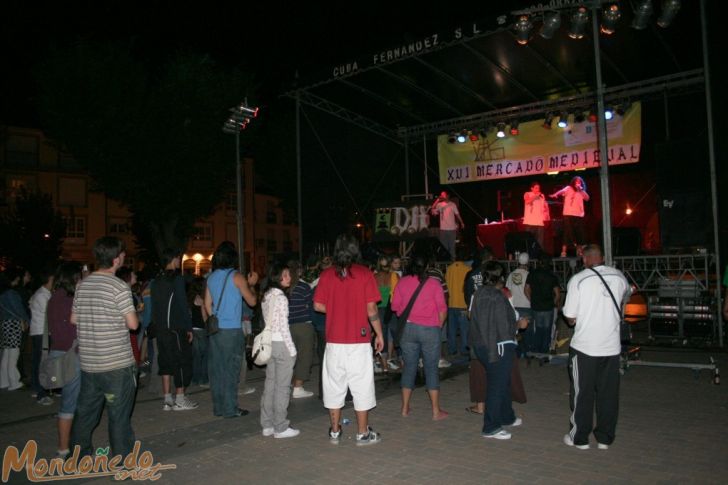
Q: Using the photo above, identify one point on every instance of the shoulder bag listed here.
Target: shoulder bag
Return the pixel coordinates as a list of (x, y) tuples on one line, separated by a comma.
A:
[(405, 314), (56, 372), (213, 323), (262, 343), (623, 329)]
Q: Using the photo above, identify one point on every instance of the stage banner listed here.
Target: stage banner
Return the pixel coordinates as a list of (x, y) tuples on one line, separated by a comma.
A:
[(536, 150), (405, 221)]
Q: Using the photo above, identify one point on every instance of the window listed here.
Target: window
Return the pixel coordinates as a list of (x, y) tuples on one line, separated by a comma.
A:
[(75, 229), (202, 237), (260, 243), (66, 160), (232, 202), (22, 150), (270, 212), (119, 226), (14, 184)]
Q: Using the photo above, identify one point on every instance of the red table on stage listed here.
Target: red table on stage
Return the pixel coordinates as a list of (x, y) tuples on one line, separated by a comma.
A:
[(494, 235)]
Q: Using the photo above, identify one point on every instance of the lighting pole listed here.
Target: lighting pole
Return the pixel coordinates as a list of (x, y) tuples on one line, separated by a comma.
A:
[(239, 118)]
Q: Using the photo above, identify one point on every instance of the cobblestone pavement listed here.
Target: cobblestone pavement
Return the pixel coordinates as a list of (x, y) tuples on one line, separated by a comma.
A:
[(672, 429)]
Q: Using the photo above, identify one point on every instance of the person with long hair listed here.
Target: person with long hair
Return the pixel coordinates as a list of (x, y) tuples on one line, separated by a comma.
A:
[(386, 282), (347, 293), (279, 370), (421, 334), (574, 195), (13, 320), (64, 334), (493, 328), (226, 346)]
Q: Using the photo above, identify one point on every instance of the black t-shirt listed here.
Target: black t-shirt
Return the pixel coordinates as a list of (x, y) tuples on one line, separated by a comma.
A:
[(542, 283)]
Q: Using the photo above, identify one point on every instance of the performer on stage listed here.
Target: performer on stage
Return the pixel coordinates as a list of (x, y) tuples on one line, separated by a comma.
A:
[(449, 221), (574, 196), (533, 211)]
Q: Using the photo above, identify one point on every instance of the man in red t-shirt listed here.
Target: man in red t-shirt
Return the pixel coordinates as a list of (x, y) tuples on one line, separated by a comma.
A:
[(347, 293)]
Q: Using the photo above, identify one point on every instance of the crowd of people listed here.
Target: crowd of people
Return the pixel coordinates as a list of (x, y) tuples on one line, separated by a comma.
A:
[(356, 319)]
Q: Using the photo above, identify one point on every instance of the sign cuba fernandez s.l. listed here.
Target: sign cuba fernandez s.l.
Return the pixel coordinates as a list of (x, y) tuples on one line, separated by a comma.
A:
[(403, 222), (432, 42)]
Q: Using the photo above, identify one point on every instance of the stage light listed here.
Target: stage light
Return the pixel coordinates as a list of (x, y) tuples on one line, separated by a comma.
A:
[(563, 120), (610, 17), (461, 138), (451, 137), (642, 14), (514, 128), (523, 29), (579, 19), (501, 133), (548, 120), (608, 114), (628, 211), (592, 116), (473, 136), (551, 23), (670, 8), (245, 111)]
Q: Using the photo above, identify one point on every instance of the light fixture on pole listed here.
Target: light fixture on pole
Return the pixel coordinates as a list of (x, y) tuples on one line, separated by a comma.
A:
[(610, 17), (642, 13), (579, 19), (551, 23), (239, 119), (501, 127), (670, 8), (523, 29)]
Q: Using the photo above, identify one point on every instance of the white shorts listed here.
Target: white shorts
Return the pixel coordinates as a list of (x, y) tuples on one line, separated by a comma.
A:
[(348, 366)]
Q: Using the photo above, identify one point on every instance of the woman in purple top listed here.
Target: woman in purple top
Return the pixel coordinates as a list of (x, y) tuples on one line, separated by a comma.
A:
[(421, 335), (62, 335)]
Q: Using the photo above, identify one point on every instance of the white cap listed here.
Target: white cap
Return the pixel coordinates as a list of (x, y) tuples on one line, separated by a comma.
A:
[(523, 258)]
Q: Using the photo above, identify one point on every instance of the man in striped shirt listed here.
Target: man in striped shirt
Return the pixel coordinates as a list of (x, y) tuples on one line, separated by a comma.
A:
[(104, 312)]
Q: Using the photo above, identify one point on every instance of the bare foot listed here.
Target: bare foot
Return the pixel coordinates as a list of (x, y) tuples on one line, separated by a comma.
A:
[(440, 415), (406, 412)]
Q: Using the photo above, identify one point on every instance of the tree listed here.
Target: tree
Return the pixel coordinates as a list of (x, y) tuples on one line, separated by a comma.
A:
[(150, 136), (32, 231)]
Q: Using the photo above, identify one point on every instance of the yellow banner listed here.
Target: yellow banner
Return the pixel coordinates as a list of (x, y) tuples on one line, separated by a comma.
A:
[(536, 150)]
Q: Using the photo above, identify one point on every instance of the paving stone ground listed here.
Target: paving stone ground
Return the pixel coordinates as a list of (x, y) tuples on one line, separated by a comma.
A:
[(672, 429)]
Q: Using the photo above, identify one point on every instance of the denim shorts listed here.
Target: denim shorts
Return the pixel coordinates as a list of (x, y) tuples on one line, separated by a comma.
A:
[(70, 390)]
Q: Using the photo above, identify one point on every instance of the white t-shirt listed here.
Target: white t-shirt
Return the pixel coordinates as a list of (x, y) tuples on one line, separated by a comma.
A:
[(574, 202), (447, 211), (597, 320), (516, 282), (533, 209), (38, 304)]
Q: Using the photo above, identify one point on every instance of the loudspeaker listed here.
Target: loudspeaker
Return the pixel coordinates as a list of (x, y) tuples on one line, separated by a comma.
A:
[(430, 248), (685, 219), (626, 241), (523, 242)]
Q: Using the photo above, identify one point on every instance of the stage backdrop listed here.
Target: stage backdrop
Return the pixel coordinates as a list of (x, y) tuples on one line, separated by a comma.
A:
[(402, 222), (536, 150)]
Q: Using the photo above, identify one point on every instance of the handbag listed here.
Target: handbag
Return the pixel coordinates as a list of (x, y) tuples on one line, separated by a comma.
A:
[(405, 314), (262, 345), (56, 372), (213, 323)]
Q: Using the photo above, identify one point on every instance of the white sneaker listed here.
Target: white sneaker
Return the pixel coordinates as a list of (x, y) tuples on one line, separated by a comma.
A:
[(500, 435), (289, 433), (299, 392), (444, 364), (245, 391), (168, 406), (602, 446), (569, 442), (45, 401), (268, 431), (515, 423), (183, 403), (392, 364), (378, 367)]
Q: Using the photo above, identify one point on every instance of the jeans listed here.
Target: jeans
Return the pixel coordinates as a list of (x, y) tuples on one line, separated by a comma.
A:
[(69, 397), (199, 359), (457, 319), (117, 390), (424, 340), (277, 389), (36, 345), (225, 358), (498, 407), (542, 322)]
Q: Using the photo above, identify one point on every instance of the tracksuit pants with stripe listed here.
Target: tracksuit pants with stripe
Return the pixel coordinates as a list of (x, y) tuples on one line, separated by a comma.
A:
[(594, 385)]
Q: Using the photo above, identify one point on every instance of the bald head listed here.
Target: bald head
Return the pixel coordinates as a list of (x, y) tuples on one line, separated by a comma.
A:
[(592, 255)]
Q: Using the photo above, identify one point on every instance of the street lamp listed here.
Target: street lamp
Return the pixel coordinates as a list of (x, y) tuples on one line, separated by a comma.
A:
[(240, 117)]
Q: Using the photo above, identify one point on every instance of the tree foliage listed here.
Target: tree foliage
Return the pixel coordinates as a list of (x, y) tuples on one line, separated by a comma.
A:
[(31, 231), (150, 136)]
